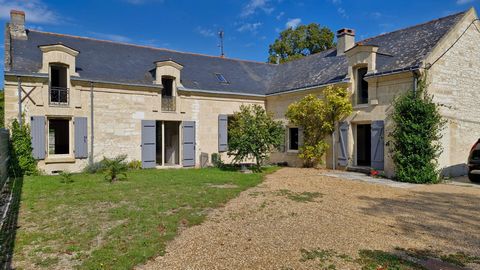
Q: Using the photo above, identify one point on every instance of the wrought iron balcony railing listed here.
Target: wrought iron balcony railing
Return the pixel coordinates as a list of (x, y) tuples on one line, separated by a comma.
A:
[(59, 96), (168, 103)]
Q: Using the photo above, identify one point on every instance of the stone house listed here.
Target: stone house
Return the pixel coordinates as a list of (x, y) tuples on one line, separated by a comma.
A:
[(86, 98)]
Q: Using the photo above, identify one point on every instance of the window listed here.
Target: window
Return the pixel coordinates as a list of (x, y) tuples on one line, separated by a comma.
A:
[(221, 78), (168, 100), (362, 86), (58, 84), (58, 136), (293, 139), (167, 83)]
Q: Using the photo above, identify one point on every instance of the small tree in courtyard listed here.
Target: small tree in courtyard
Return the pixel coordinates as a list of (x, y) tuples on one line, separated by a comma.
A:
[(253, 134), (318, 116), (415, 137)]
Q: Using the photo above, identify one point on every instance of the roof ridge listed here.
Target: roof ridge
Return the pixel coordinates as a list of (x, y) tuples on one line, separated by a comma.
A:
[(147, 47), (413, 26)]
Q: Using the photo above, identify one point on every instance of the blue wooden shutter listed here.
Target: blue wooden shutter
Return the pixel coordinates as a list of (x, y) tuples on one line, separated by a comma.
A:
[(222, 133), (188, 144), (37, 131), (148, 144), (343, 144), (377, 145), (81, 146)]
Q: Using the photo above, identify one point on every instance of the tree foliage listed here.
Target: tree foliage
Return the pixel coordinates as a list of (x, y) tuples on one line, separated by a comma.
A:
[(253, 134), (295, 43), (415, 137), (21, 160), (317, 116)]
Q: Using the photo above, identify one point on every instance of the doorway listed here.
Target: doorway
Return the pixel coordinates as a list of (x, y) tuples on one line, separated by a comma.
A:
[(168, 143), (364, 143)]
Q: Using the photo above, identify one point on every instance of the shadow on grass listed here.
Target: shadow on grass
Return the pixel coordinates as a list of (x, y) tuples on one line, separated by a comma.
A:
[(451, 217), (9, 228)]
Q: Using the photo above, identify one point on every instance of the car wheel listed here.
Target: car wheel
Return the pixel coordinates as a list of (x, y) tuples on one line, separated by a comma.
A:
[(474, 177)]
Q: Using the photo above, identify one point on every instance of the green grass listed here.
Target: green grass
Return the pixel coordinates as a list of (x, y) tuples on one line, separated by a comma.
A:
[(93, 224), (377, 259)]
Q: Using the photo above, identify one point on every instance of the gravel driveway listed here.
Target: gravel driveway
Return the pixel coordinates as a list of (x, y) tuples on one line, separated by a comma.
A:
[(268, 226)]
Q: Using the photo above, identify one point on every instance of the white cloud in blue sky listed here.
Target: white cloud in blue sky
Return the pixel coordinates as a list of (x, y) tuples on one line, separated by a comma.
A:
[(36, 11), (293, 23)]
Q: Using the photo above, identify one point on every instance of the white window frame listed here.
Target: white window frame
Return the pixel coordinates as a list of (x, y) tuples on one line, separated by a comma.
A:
[(71, 143), (289, 150)]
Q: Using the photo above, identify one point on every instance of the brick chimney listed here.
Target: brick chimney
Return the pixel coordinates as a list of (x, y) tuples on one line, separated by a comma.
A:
[(345, 40), (17, 24)]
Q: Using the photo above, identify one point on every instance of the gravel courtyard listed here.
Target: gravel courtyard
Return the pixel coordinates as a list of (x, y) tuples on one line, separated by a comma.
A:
[(274, 225)]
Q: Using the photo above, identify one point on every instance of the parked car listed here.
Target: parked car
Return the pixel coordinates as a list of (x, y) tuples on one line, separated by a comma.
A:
[(474, 163)]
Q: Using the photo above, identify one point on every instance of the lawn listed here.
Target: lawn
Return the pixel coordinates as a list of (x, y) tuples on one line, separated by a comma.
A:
[(92, 224)]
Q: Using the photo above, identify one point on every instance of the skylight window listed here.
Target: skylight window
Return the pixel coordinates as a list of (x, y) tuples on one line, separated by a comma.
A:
[(221, 78)]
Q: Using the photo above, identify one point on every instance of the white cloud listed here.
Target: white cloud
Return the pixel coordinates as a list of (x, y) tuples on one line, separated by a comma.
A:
[(255, 5), (293, 23), (250, 27), (342, 12), (280, 15), (463, 2), (35, 11), (112, 37), (205, 32)]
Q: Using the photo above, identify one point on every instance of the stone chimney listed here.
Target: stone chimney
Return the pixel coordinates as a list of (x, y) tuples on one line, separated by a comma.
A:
[(345, 40), (17, 24)]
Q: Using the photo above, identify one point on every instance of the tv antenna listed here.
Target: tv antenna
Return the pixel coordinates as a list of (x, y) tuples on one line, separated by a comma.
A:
[(221, 34)]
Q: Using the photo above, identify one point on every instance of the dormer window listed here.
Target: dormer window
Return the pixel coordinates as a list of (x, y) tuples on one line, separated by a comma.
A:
[(168, 99), (59, 92), (362, 86)]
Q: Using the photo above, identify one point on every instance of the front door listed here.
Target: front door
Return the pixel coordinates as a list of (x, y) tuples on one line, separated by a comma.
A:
[(364, 142)]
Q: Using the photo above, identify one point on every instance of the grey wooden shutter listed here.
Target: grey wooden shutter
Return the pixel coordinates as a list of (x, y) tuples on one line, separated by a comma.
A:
[(148, 144), (188, 144), (343, 144), (81, 148), (37, 132), (222, 133), (377, 145)]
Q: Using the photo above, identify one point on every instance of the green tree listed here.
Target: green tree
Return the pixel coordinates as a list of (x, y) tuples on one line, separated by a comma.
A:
[(2, 109), (415, 137), (295, 43), (253, 134), (318, 116)]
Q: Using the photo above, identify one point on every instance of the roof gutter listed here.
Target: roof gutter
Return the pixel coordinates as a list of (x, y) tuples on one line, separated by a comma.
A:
[(294, 90), (181, 88), (392, 72)]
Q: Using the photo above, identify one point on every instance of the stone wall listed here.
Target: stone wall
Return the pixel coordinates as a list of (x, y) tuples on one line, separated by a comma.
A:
[(118, 111), (454, 81)]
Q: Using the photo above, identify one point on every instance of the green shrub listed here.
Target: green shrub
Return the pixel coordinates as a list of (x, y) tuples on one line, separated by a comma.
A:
[(66, 177), (217, 160), (21, 158), (134, 165), (115, 167), (415, 137), (95, 167)]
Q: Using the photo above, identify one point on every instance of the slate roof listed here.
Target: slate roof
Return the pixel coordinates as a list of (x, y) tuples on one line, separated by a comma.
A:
[(125, 63)]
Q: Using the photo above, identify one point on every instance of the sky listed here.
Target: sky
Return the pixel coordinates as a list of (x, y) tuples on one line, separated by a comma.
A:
[(193, 26)]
